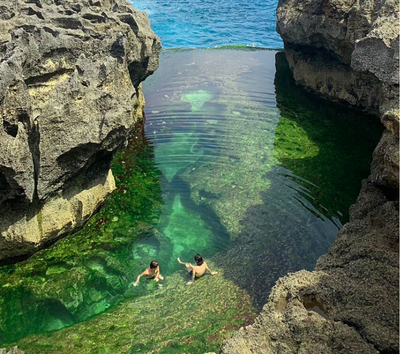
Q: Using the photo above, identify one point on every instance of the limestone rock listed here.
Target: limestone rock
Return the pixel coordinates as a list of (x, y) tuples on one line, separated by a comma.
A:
[(58, 216), (349, 304), (352, 47), (13, 350), (70, 95), (385, 163)]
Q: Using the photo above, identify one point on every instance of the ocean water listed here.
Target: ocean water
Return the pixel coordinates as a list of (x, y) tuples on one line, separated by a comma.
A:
[(207, 23)]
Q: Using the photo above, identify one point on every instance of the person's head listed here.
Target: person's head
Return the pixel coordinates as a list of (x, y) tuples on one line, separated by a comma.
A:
[(198, 259), (153, 264)]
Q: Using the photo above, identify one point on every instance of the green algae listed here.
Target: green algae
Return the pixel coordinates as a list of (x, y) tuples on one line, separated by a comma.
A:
[(197, 99), (187, 232), (326, 144), (174, 318), (180, 151), (85, 273), (292, 141)]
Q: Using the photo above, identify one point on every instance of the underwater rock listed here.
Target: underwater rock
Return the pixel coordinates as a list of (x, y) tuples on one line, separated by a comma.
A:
[(190, 322), (197, 99), (70, 95)]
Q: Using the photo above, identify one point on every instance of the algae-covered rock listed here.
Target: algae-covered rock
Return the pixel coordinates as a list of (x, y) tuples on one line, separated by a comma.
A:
[(13, 350), (196, 99), (234, 184), (88, 272), (70, 95), (171, 318)]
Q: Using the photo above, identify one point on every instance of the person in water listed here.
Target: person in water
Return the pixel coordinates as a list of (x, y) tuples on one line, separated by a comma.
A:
[(153, 272), (196, 271)]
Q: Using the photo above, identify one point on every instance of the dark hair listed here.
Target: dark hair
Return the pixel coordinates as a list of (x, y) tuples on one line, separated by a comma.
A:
[(153, 264), (198, 259)]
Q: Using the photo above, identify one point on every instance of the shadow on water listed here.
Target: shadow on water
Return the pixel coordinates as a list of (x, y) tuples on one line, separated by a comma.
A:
[(323, 142)]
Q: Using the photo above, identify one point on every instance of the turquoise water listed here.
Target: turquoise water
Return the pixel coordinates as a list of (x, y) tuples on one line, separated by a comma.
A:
[(275, 166), (206, 23), (235, 162)]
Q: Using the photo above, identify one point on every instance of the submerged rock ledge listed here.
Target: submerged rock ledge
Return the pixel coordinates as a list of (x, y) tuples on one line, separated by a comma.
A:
[(347, 52), (70, 95)]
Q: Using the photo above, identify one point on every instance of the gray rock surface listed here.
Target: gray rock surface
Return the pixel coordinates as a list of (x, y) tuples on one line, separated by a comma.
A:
[(349, 52), (70, 74), (352, 46), (349, 304), (13, 350)]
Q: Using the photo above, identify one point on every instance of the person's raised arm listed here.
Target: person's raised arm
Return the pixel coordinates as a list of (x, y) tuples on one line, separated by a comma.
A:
[(208, 269), (136, 283), (158, 275)]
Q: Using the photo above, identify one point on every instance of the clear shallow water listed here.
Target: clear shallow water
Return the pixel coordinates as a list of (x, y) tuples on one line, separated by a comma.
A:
[(236, 163), (206, 23)]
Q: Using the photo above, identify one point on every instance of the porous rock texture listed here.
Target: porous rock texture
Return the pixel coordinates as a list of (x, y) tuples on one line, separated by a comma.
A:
[(349, 52), (349, 304), (13, 350), (70, 96)]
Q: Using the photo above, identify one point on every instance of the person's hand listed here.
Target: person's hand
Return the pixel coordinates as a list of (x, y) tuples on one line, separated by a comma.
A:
[(214, 273), (135, 283), (189, 283)]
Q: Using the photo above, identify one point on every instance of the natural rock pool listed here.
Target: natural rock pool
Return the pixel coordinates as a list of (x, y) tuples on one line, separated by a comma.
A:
[(235, 163)]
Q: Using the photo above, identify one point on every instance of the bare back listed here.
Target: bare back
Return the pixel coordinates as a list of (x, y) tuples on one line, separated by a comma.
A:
[(199, 270)]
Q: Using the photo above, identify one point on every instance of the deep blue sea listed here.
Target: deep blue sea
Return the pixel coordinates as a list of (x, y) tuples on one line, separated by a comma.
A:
[(209, 23)]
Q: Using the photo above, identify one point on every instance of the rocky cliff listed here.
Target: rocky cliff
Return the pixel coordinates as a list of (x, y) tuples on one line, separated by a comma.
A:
[(70, 95), (349, 52)]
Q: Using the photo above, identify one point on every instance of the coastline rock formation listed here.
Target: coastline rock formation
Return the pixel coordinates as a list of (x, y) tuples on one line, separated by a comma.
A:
[(70, 95), (347, 52)]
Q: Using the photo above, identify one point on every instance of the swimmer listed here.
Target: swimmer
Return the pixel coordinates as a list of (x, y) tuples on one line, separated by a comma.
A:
[(153, 272), (196, 271)]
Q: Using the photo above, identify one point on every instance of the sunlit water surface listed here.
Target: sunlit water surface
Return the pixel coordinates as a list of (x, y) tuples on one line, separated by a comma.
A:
[(207, 23), (238, 164)]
